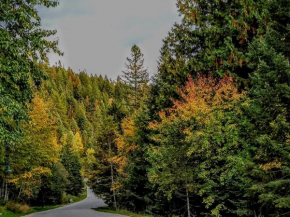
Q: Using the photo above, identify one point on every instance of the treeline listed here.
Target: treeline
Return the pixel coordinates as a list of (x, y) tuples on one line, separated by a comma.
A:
[(212, 136), (59, 142)]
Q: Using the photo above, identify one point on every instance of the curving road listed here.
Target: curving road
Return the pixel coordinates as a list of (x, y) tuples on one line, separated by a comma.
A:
[(80, 209)]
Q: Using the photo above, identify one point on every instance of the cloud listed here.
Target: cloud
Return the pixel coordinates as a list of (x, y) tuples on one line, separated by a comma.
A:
[(97, 35)]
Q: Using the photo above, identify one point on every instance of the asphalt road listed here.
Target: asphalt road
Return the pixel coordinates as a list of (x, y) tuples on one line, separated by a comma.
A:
[(80, 209)]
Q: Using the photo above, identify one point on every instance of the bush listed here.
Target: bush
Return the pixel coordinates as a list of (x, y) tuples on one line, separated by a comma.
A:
[(2, 209), (64, 198), (17, 207)]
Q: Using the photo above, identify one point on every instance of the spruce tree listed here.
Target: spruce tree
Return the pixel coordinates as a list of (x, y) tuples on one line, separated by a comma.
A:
[(266, 131), (73, 166), (212, 38), (135, 74)]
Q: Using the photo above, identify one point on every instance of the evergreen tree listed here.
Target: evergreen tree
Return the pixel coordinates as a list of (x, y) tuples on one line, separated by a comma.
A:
[(135, 75), (53, 187), (213, 37), (73, 166), (267, 126)]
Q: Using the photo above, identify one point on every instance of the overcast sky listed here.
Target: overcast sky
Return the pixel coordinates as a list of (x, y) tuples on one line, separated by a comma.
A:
[(97, 35)]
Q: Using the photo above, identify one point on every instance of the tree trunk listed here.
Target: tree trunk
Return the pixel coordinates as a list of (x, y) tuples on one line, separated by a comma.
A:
[(6, 192), (1, 189), (112, 176), (135, 87), (188, 204), (112, 179), (19, 194)]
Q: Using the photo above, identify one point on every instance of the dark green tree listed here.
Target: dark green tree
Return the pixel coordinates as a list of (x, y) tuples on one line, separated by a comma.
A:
[(135, 75), (212, 38), (266, 130), (53, 187), (73, 166)]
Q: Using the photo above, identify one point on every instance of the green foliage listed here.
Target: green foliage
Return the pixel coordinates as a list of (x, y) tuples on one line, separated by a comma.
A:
[(196, 149), (73, 168), (22, 43), (52, 187), (239, 160), (213, 38), (268, 116), (211, 138)]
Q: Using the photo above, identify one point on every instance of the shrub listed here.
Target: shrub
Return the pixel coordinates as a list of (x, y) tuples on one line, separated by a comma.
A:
[(17, 207)]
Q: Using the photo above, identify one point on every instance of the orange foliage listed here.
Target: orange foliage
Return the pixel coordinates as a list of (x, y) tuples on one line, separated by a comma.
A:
[(200, 98)]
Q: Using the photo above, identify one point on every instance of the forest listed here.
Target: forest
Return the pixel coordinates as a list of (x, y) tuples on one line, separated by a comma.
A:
[(207, 135)]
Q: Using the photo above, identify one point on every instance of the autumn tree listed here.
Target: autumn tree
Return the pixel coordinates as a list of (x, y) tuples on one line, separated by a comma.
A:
[(39, 150), (196, 151), (125, 143), (135, 75)]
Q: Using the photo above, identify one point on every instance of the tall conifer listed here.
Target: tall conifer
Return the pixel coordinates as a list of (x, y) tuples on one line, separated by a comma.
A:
[(135, 74)]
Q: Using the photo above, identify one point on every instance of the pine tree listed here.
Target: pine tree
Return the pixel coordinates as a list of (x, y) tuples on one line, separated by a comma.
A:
[(73, 166), (266, 131), (135, 75), (212, 38)]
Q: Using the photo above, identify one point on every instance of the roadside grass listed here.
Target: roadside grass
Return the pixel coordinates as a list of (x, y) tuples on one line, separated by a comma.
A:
[(42, 209), (78, 198), (121, 212), (7, 213)]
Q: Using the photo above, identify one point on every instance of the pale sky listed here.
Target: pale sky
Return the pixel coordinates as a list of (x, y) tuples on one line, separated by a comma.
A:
[(97, 35)]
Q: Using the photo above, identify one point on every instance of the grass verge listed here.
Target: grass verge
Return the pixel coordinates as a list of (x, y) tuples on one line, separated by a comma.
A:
[(75, 199), (6, 213), (121, 212)]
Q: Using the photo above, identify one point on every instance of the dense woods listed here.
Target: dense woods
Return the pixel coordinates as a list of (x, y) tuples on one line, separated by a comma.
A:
[(208, 136)]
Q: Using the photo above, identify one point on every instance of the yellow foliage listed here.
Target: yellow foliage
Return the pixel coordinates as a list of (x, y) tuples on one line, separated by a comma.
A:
[(39, 149), (30, 178), (125, 144), (42, 131), (271, 165), (116, 186), (77, 144), (90, 156)]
